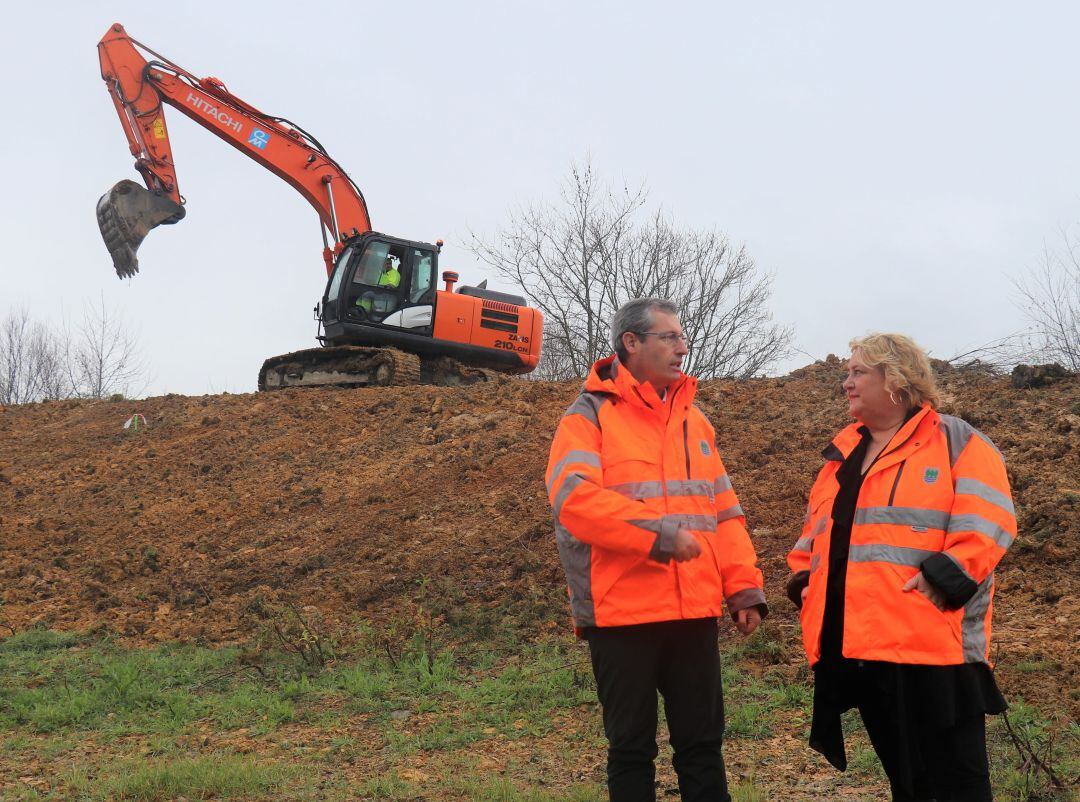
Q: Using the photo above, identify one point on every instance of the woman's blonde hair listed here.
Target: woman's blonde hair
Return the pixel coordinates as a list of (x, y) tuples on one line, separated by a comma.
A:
[(906, 367)]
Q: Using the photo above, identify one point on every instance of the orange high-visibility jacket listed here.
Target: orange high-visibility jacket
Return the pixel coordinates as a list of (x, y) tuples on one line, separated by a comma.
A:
[(936, 500), (626, 470)]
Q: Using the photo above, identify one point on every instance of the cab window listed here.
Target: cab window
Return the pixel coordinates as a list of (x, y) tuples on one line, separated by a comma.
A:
[(371, 264), (339, 272), (423, 274)]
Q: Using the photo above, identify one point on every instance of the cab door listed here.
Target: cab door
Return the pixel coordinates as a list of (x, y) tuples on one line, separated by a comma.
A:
[(331, 308)]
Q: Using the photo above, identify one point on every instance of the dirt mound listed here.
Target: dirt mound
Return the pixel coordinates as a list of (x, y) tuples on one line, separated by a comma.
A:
[(366, 503)]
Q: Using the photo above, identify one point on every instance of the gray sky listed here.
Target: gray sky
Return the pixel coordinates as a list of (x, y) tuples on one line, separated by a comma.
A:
[(892, 165)]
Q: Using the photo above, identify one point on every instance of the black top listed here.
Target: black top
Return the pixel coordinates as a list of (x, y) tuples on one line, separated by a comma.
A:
[(850, 479), (937, 695)]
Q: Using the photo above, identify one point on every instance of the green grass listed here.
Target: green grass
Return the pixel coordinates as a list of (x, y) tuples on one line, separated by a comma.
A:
[(57, 690), (747, 792), (1057, 744), (215, 776), (51, 682), (1036, 666), (117, 723), (501, 789)]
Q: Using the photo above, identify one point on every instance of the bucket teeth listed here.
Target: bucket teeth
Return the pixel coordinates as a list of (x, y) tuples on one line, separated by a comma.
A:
[(126, 214)]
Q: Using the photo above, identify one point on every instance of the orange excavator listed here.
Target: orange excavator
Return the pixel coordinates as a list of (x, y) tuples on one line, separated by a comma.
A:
[(382, 318)]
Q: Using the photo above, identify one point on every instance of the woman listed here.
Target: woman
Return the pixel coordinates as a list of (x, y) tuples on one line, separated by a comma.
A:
[(894, 578)]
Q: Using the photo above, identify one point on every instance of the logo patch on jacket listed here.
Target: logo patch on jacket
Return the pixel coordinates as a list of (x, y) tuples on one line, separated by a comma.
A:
[(930, 475), (704, 448)]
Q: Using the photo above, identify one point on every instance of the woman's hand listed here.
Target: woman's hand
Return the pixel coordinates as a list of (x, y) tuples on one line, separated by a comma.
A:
[(922, 584)]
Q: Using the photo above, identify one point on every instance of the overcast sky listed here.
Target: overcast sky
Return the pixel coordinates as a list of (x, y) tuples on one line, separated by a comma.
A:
[(891, 164)]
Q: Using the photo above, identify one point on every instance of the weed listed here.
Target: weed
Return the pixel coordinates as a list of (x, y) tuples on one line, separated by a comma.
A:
[(863, 759), (763, 646), (751, 720), (252, 705), (747, 792), (211, 776), (1033, 757), (1036, 666), (94, 698), (38, 641), (385, 786), (501, 789), (792, 695), (303, 636), (120, 680), (295, 689), (365, 686)]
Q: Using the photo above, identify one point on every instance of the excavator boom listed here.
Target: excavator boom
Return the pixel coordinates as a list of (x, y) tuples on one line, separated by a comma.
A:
[(140, 88)]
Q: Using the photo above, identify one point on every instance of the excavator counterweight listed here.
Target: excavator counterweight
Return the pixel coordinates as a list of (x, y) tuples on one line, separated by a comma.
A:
[(126, 214)]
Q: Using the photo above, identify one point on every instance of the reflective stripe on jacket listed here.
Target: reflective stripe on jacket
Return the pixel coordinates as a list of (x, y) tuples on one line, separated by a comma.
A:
[(625, 471), (936, 500)]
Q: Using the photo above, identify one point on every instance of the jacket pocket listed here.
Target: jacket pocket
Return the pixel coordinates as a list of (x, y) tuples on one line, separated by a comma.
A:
[(636, 478), (896, 481)]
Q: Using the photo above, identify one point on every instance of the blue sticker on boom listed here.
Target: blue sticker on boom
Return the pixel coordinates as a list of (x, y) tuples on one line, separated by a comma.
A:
[(259, 138)]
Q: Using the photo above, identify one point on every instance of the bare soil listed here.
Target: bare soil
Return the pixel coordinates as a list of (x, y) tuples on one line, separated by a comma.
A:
[(367, 503)]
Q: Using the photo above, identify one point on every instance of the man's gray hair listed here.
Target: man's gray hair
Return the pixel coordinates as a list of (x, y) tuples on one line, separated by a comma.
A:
[(636, 316)]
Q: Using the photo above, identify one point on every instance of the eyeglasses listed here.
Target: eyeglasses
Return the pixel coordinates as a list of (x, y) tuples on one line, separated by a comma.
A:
[(667, 337)]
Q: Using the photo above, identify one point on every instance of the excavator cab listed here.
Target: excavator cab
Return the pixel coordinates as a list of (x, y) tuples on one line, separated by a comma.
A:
[(380, 280), (386, 322)]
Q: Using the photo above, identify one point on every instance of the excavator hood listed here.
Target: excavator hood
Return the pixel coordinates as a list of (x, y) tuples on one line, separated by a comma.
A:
[(125, 214)]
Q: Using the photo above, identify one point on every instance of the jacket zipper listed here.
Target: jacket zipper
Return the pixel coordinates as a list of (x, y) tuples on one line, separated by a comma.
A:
[(663, 486), (896, 481), (686, 444)]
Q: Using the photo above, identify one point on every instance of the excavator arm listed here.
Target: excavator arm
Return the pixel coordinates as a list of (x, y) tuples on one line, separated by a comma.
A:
[(140, 89)]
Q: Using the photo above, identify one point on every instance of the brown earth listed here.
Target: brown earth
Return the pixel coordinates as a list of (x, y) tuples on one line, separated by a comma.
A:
[(382, 504)]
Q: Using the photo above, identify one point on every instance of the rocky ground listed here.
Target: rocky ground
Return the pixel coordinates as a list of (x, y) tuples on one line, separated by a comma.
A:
[(374, 504)]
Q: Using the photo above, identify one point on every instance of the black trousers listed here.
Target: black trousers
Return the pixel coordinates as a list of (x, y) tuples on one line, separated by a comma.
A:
[(953, 759), (681, 660), (927, 724)]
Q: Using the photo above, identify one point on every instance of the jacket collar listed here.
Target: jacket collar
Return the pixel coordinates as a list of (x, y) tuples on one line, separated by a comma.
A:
[(609, 376), (843, 444)]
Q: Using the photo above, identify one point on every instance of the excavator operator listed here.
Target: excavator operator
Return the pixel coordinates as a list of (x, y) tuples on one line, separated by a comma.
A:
[(390, 277)]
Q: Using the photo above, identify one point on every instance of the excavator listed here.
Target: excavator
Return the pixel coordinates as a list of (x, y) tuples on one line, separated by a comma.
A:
[(383, 319)]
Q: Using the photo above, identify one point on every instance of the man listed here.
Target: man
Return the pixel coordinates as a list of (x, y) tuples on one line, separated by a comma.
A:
[(653, 542), (390, 276)]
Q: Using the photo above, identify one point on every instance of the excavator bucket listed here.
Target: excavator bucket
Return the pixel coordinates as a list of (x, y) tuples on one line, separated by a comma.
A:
[(125, 214)]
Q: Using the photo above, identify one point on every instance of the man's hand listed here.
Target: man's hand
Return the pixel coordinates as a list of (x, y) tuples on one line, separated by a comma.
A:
[(747, 620), (686, 546), (922, 584), (805, 590)]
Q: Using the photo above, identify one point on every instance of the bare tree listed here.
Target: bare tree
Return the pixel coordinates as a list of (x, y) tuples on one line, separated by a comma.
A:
[(582, 257), (1049, 295), (103, 357), (31, 361), (996, 356), (100, 359), (14, 347)]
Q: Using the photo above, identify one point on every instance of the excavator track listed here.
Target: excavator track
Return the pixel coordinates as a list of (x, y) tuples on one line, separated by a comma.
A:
[(340, 366), (448, 372)]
